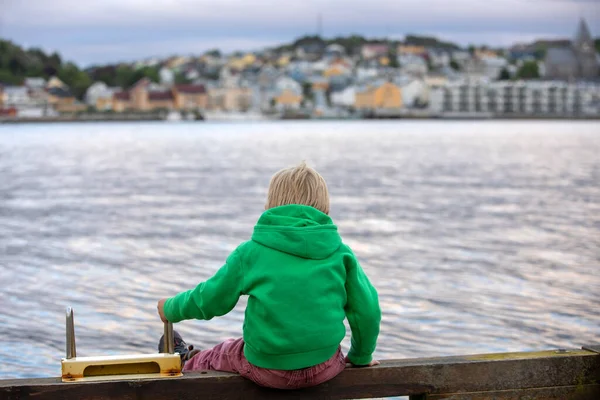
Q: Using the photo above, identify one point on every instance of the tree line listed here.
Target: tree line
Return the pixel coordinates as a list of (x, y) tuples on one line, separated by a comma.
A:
[(16, 64)]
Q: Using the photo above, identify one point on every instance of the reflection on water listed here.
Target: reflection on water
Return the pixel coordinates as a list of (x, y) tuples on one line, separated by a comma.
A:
[(480, 236)]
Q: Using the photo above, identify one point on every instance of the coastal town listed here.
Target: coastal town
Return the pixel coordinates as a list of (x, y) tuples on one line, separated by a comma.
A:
[(314, 78)]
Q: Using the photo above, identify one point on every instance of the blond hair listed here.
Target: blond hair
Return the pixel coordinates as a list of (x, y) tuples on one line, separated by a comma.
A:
[(298, 185)]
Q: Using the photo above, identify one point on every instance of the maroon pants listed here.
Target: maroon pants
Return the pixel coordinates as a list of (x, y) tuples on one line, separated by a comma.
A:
[(229, 357)]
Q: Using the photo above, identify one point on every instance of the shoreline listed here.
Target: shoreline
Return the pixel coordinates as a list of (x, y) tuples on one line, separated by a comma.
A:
[(155, 118)]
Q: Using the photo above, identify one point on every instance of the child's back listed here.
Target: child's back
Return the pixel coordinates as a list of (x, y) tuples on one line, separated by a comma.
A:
[(301, 282)]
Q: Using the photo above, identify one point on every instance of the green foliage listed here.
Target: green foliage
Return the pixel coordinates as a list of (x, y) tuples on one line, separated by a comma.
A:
[(17, 63), (214, 53), (305, 40), (504, 75), (429, 63), (454, 65), (529, 70), (540, 53), (353, 43), (393, 57), (429, 41), (307, 92), (212, 75), (7, 77), (78, 81), (597, 44), (126, 76), (151, 73), (106, 74), (180, 78), (350, 44)]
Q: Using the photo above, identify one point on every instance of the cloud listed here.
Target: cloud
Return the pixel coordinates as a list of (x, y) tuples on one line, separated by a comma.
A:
[(84, 30)]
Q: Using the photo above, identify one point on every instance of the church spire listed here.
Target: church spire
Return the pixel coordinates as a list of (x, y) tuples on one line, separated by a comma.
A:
[(583, 35)]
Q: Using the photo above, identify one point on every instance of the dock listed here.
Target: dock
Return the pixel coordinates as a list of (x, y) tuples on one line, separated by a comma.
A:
[(551, 375)]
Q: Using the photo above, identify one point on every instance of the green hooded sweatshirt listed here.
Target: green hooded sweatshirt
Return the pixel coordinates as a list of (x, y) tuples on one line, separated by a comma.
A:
[(301, 282)]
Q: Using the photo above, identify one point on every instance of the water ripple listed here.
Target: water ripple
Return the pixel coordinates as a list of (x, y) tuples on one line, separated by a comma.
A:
[(480, 236)]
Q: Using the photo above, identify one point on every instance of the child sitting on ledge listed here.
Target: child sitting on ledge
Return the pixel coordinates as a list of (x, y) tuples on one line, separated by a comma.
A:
[(301, 282)]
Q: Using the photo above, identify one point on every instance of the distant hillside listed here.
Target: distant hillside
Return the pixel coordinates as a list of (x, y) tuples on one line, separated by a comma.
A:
[(16, 64), (428, 41), (352, 44)]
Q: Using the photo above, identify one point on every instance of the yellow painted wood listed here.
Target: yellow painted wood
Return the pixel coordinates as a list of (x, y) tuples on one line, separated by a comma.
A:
[(120, 367)]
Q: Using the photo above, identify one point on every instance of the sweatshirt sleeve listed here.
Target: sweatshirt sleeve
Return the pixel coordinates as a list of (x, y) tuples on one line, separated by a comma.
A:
[(363, 313), (215, 297)]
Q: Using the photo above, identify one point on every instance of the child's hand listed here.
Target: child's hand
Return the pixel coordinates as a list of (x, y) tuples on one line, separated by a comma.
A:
[(161, 310), (371, 364)]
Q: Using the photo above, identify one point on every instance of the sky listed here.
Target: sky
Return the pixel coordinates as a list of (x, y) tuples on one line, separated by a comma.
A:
[(106, 31)]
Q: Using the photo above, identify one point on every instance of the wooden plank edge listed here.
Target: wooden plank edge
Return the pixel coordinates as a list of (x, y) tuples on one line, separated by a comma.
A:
[(574, 392)]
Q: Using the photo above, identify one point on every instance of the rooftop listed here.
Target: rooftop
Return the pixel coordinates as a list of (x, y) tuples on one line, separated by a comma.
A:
[(191, 88)]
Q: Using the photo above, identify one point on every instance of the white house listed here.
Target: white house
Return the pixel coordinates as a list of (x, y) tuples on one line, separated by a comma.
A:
[(27, 106), (99, 90), (439, 58), (16, 96), (366, 73), (35, 83), (166, 76), (414, 92), (487, 67), (373, 50), (229, 78), (460, 56), (412, 64), (344, 98), (287, 83), (192, 74), (335, 51), (533, 98)]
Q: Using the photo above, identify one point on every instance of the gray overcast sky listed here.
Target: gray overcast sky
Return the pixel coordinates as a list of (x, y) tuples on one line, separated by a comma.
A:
[(102, 31)]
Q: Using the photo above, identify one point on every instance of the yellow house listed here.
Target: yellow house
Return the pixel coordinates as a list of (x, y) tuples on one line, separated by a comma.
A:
[(249, 59), (176, 62), (121, 101), (63, 101), (159, 99), (283, 61), (409, 49), (190, 96), (70, 107), (335, 70), (288, 99), (320, 85), (229, 99), (144, 99), (482, 53), (435, 80), (385, 96), (54, 82), (236, 64), (104, 103)]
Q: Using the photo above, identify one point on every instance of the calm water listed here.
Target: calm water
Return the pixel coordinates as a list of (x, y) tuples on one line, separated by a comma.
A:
[(479, 236)]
